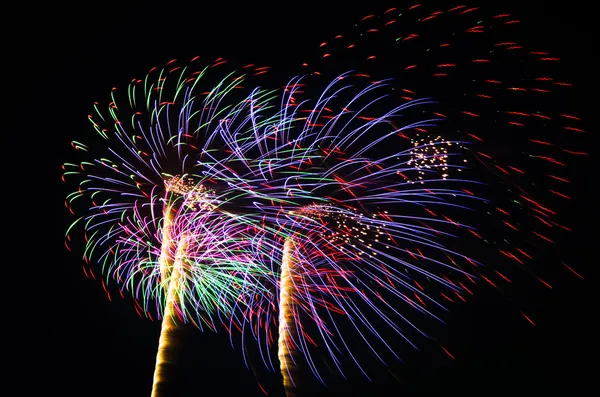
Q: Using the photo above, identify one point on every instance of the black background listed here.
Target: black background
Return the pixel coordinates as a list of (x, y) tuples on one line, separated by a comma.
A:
[(77, 343)]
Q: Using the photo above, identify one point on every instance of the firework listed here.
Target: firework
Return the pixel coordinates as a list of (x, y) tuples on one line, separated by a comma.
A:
[(150, 218), (390, 197), (319, 190)]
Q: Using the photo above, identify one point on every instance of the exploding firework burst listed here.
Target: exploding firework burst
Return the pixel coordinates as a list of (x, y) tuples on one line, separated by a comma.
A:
[(319, 188), (149, 216)]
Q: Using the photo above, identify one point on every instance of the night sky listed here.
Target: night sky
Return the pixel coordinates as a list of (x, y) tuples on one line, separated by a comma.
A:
[(77, 343)]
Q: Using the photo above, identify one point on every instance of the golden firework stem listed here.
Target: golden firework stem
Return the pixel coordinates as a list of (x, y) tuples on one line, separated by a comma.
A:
[(169, 331), (286, 321), (165, 260)]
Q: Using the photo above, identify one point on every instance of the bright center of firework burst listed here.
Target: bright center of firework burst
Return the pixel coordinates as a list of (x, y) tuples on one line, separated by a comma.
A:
[(195, 195)]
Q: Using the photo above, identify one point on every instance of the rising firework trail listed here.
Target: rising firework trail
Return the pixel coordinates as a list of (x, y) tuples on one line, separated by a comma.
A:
[(287, 330), (172, 272)]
